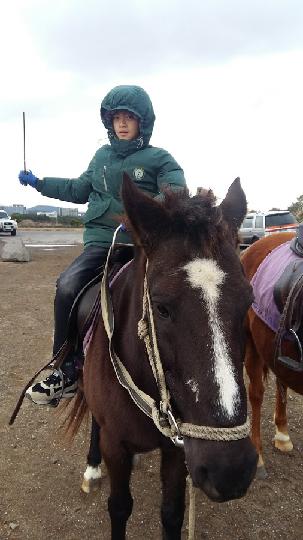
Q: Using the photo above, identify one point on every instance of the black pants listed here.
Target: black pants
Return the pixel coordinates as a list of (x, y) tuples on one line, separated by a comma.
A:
[(87, 266)]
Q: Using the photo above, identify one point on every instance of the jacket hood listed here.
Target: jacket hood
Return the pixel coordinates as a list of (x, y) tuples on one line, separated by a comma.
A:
[(133, 99)]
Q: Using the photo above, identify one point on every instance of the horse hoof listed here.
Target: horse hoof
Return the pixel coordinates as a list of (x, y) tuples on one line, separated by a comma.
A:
[(91, 479), (261, 473), (88, 486), (283, 446)]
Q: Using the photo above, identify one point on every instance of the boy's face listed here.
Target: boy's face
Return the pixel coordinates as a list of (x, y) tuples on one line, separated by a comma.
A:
[(126, 125)]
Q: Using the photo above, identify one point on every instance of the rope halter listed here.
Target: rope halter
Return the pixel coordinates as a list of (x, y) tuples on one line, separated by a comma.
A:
[(161, 414)]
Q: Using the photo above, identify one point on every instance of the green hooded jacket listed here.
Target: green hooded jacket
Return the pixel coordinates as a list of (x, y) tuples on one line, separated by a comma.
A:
[(150, 168)]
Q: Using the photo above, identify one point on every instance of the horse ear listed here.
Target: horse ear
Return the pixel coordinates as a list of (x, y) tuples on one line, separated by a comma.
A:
[(146, 216), (234, 206)]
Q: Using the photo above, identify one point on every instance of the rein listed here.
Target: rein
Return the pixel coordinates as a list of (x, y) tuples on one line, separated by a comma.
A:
[(161, 414)]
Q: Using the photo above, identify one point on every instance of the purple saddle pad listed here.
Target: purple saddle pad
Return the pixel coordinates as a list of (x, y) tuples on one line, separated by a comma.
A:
[(263, 283)]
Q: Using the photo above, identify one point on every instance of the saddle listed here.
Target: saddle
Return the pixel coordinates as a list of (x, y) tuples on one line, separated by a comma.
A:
[(86, 307), (288, 296)]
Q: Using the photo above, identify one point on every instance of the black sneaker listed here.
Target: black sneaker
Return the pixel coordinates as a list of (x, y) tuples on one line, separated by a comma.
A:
[(52, 389)]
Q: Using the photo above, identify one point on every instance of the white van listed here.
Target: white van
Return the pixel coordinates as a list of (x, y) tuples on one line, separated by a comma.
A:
[(257, 225)]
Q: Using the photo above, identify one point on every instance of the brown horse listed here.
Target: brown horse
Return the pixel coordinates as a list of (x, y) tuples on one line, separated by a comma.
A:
[(261, 356), (179, 310)]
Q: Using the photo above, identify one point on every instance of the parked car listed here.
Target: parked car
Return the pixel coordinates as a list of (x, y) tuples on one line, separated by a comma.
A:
[(256, 225), (7, 224)]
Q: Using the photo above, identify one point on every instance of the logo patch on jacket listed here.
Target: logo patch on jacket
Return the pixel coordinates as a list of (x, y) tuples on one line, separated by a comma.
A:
[(138, 173)]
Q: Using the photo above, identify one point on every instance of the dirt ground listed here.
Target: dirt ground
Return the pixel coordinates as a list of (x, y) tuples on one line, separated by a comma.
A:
[(40, 493)]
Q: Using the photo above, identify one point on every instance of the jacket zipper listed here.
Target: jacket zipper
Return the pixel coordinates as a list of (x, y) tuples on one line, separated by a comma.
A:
[(104, 179)]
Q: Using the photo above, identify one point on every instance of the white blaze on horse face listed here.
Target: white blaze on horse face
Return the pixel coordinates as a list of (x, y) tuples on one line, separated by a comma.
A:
[(205, 274)]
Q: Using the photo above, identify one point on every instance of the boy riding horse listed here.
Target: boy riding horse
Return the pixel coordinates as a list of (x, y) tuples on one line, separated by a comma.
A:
[(127, 114)]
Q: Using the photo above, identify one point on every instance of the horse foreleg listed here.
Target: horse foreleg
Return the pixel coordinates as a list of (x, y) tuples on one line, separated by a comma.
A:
[(281, 439), (173, 476), (254, 368), (92, 475), (120, 502)]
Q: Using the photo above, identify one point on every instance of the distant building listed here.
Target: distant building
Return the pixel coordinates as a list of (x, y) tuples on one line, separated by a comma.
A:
[(63, 212), (14, 209), (42, 210), (53, 215), (18, 209)]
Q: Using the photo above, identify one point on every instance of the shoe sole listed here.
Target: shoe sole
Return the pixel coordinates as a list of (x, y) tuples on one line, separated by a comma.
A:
[(53, 402)]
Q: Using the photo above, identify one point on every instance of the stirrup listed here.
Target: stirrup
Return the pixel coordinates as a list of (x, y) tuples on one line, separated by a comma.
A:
[(290, 363)]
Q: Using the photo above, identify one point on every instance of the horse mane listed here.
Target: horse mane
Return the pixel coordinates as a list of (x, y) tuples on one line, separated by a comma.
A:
[(188, 211), (196, 218)]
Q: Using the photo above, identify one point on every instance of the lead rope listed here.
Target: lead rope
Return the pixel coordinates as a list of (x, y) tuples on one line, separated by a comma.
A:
[(151, 346), (192, 509), (155, 362)]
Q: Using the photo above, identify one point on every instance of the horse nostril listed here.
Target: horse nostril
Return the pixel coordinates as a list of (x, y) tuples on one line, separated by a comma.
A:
[(202, 474), (202, 479)]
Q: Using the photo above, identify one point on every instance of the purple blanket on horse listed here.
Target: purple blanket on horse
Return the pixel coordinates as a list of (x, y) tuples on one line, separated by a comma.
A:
[(264, 280)]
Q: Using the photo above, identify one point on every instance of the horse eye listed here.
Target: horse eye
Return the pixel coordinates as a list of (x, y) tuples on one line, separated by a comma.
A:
[(163, 311)]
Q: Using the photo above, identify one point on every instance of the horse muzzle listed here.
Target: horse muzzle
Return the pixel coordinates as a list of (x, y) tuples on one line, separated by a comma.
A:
[(223, 470)]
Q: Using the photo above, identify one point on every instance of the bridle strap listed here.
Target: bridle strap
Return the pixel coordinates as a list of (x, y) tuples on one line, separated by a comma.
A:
[(147, 332), (145, 403)]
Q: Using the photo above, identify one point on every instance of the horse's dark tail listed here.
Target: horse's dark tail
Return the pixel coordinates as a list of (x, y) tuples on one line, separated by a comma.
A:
[(76, 411)]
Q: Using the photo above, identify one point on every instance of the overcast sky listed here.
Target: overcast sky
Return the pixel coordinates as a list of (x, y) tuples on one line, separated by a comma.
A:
[(225, 78)]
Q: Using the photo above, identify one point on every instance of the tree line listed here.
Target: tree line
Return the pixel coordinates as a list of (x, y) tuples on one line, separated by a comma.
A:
[(296, 208), (65, 221)]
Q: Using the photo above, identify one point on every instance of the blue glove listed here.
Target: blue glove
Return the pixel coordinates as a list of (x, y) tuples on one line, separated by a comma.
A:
[(27, 177)]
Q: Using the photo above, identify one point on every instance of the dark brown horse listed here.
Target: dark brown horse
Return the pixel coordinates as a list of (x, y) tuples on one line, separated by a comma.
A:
[(261, 356), (179, 332)]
